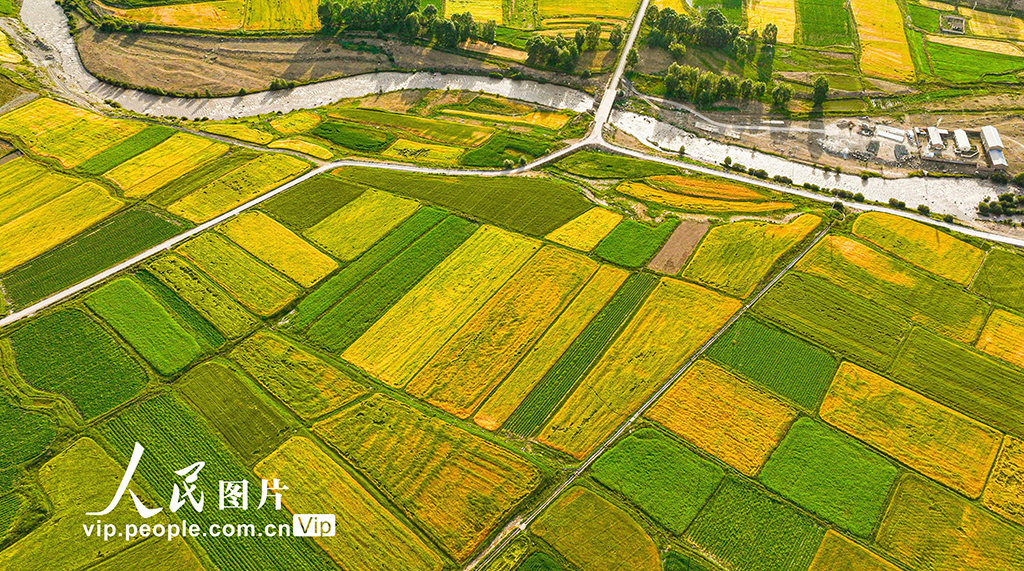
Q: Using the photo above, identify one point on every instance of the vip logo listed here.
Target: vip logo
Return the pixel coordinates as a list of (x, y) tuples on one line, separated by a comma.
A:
[(313, 525)]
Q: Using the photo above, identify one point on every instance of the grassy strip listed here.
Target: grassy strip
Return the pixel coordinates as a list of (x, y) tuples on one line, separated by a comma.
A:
[(132, 146), (580, 357), (371, 299), (307, 203), (632, 244)]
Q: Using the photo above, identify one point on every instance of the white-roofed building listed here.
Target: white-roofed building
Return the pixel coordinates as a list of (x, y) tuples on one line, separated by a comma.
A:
[(962, 144), (990, 138), (935, 138), (998, 160)]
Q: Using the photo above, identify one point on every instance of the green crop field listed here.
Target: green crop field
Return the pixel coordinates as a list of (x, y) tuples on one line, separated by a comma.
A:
[(581, 356), (783, 363), (356, 137), (175, 436), (506, 146), (354, 313), (111, 242), (961, 65), (206, 297), (321, 299), (632, 244), (598, 165), (209, 172), (66, 352), (309, 202), (824, 23), (925, 18), (1001, 279), (539, 561), (145, 325), (963, 379), (830, 474), (433, 129), (243, 418), (132, 146), (202, 330), (534, 206), (27, 434), (10, 505), (662, 477), (853, 326), (745, 529)]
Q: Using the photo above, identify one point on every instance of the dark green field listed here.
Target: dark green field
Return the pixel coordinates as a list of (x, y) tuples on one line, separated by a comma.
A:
[(1001, 279), (66, 352), (132, 146), (26, 435), (597, 165), (783, 363), (533, 206), (632, 244), (824, 23), (661, 476), (201, 176), (355, 137), (309, 202)]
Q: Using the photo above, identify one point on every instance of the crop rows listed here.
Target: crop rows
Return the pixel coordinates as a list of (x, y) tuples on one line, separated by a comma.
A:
[(440, 131), (27, 185), (355, 137), (10, 504), (1001, 279), (206, 297), (197, 178), (307, 203), (632, 244), (26, 435), (278, 247), (204, 332), (181, 154), (586, 230), (580, 357), (126, 149), (353, 228)]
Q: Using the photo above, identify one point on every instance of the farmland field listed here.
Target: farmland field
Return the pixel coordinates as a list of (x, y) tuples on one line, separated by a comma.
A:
[(27, 185), (596, 535), (736, 257), (281, 16), (940, 443), (1004, 493), (295, 123), (234, 408), (467, 368), (922, 245), (897, 286), (577, 360), (780, 362), (207, 298), (241, 131), (145, 324), (303, 146), (435, 130), (202, 330), (931, 529), (724, 415), (279, 248), (27, 433), (576, 8), (54, 223), (361, 307), (254, 285), (535, 206), (550, 348), (708, 187), (309, 202), (309, 385), (949, 62), (883, 42), (194, 177), (962, 379), (409, 334), (824, 23), (435, 472), (598, 165), (782, 13), (176, 436), (66, 352), (1001, 279), (830, 474), (649, 350), (148, 171), (334, 289), (632, 244), (744, 528), (586, 230), (852, 326), (112, 241), (154, 552), (405, 150), (319, 484), (979, 45), (127, 149), (994, 25), (662, 477), (838, 553), (353, 228), (356, 137), (210, 16), (689, 203)]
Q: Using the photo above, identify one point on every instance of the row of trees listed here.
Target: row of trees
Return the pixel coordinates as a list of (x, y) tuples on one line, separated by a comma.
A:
[(688, 83), (368, 15)]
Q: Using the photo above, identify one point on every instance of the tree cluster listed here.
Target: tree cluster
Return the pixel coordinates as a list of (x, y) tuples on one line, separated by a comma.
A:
[(1008, 204), (688, 83), (668, 27), (554, 52), (370, 15)]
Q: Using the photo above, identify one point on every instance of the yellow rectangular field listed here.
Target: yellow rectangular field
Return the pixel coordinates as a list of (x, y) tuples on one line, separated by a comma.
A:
[(1003, 337), (705, 187), (281, 16), (930, 438), (978, 44), (25, 185), (143, 174), (297, 122), (239, 131), (409, 334), (676, 319), (884, 52), (68, 134), (586, 230), (699, 204), (406, 150), (837, 553), (1004, 493), (54, 223), (724, 416), (575, 8), (279, 248), (782, 13), (458, 486), (353, 228), (922, 245), (467, 368), (513, 390), (237, 187), (993, 25), (368, 536), (482, 10), (217, 16), (547, 119), (936, 5), (305, 147)]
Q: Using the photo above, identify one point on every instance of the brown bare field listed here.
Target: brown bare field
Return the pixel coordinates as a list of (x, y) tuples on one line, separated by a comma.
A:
[(725, 416), (1003, 337), (680, 245), (937, 441), (1004, 493), (837, 553)]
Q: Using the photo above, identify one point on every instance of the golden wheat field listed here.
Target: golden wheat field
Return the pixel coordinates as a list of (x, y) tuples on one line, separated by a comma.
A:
[(884, 52), (141, 175), (837, 553), (297, 122), (353, 228), (279, 248), (216, 16), (1003, 337), (1004, 492), (993, 25), (782, 13), (586, 230), (301, 146), (699, 204), (979, 44)]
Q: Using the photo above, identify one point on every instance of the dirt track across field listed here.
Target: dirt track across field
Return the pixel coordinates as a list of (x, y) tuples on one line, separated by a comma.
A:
[(679, 246)]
